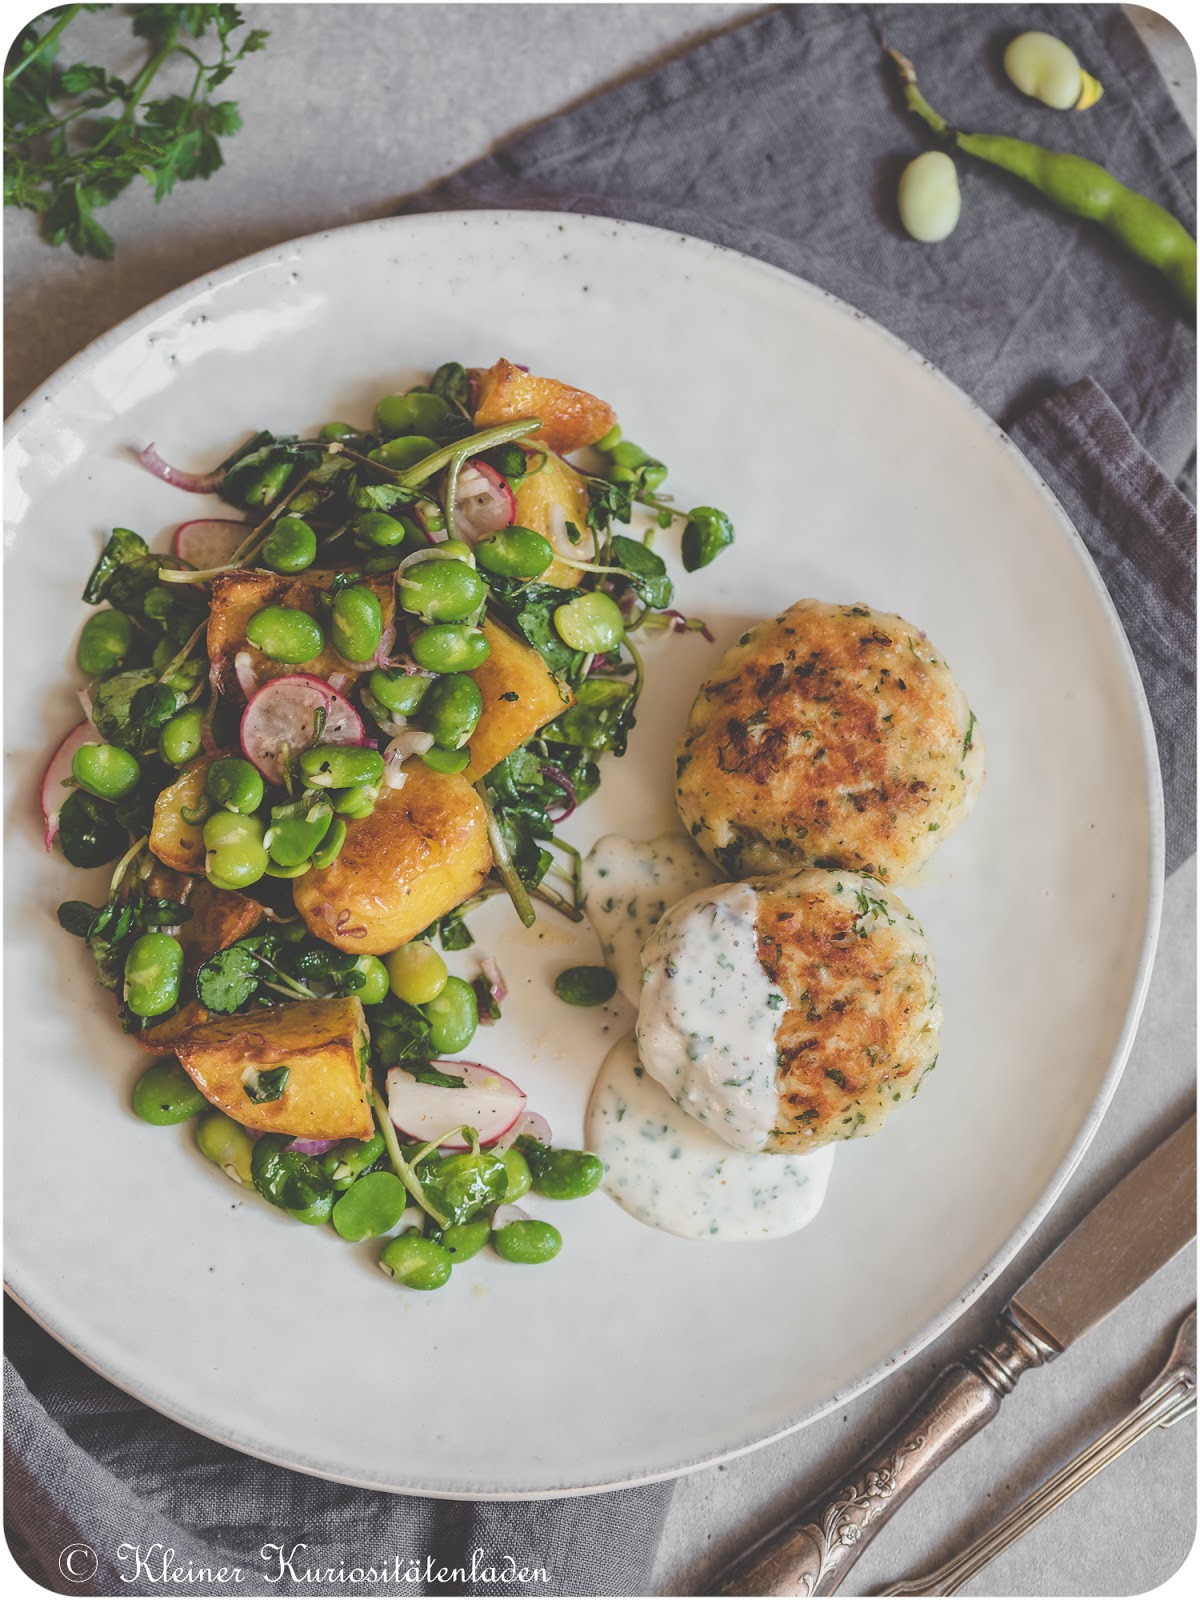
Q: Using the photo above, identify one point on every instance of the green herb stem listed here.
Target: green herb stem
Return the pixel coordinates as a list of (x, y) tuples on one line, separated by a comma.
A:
[(401, 1167), (502, 859), (48, 38)]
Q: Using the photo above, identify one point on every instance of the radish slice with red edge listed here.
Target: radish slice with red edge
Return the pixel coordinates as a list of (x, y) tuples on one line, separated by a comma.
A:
[(529, 1123), (486, 1101), (57, 773), (483, 504), (292, 713), (209, 541), (193, 482)]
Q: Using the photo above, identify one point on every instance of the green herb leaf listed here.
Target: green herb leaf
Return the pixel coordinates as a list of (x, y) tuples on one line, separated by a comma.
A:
[(262, 1087), (228, 979)]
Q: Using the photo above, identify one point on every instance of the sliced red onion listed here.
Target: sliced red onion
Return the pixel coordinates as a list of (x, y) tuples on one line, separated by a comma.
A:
[(387, 640), (312, 1147), (495, 978), (483, 504), (409, 742), (340, 681), (193, 482), (348, 929), (54, 779), (557, 520), (505, 1214), (209, 541), (680, 625), (561, 781), (243, 665)]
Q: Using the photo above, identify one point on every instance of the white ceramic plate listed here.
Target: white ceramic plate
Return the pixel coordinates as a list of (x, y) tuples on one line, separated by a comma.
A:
[(853, 471)]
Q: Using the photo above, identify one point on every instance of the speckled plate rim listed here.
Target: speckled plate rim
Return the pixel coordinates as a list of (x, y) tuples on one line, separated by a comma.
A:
[(696, 250)]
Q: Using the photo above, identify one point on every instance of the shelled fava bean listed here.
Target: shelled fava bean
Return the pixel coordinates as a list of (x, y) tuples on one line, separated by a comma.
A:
[(105, 771), (356, 623), (153, 971), (447, 647), (286, 634), (291, 546), (236, 855), (104, 642)]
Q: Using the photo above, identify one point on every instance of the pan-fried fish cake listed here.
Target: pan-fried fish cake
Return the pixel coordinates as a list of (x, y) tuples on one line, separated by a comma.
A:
[(788, 1012), (830, 736)]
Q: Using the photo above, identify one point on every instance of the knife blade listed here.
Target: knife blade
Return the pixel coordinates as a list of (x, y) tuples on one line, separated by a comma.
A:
[(1123, 1241)]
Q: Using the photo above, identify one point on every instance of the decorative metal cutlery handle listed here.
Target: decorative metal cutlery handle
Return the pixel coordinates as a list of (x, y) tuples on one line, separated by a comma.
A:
[(812, 1551), (1171, 1397)]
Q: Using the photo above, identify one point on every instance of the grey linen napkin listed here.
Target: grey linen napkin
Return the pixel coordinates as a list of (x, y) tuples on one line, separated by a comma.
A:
[(782, 138)]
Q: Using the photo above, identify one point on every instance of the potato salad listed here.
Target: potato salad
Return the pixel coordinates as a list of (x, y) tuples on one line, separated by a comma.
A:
[(331, 720)]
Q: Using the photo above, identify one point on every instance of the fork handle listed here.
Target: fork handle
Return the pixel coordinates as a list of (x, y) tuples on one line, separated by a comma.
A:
[(1165, 1405), (811, 1552)]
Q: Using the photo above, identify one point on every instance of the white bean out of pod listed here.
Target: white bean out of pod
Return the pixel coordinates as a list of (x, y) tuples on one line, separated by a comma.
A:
[(929, 199), (1048, 70)]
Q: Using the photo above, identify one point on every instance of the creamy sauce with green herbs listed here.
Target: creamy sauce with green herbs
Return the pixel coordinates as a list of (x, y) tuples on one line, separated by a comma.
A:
[(708, 1014), (670, 1172), (627, 885)]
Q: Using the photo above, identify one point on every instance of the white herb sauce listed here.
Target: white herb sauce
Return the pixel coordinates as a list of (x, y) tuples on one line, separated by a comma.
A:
[(670, 1172), (627, 885), (708, 1014)]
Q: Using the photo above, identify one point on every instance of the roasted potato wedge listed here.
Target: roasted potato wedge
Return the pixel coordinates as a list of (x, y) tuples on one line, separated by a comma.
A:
[(570, 418), (548, 500), (162, 1038), (176, 842), (520, 695), (236, 596), (219, 916), (421, 852), (322, 1043)]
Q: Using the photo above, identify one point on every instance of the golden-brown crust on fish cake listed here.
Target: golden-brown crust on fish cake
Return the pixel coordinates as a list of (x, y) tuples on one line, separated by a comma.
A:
[(861, 1024), (830, 735)]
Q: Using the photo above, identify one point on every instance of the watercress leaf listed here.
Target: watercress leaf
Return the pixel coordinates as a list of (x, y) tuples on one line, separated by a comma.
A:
[(461, 1185), (228, 979), (454, 934), (439, 1080), (77, 917), (600, 717), (124, 548), (262, 1086), (650, 581), (88, 832), (400, 1033)]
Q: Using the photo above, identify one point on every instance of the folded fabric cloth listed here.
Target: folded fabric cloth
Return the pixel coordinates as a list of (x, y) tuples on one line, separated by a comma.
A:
[(782, 138)]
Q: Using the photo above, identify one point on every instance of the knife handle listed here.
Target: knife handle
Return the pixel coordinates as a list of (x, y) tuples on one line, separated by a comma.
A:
[(811, 1552)]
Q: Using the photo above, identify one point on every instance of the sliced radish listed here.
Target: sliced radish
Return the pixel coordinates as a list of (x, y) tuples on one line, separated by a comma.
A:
[(57, 773), (530, 1123), (488, 1102), (483, 504), (291, 714), (194, 482), (209, 541)]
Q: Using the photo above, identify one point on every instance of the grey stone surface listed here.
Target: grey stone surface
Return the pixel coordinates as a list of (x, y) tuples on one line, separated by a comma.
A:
[(353, 107)]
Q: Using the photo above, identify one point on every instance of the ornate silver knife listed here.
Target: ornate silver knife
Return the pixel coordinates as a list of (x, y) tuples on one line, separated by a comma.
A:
[(1123, 1241)]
